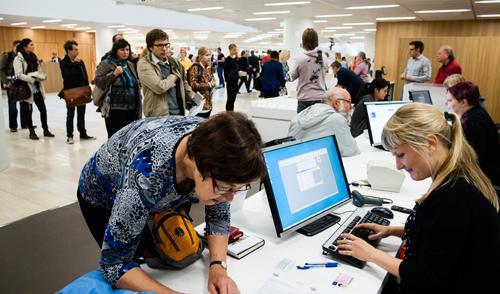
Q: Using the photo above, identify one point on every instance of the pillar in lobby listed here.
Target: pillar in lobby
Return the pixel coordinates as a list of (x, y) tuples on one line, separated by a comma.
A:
[(103, 38), (292, 36), (4, 159)]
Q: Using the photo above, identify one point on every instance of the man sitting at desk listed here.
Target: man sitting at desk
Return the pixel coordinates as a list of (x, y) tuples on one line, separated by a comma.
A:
[(327, 117)]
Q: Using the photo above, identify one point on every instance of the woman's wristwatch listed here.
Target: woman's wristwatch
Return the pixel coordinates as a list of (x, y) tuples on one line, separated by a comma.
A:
[(219, 262)]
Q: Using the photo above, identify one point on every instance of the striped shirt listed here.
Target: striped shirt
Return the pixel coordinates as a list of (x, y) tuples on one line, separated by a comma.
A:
[(418, 69)]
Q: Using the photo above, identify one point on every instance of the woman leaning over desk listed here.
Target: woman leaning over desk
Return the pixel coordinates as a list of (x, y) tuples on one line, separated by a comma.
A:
[(451, 241), (159, 163)]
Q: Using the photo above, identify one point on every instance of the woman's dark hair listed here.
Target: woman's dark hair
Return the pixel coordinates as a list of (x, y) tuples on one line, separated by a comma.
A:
[(154, 35), (309, 39), (227, 147), (275, 55), (119, 44), (467, 91), (30, 58), (369, 88)]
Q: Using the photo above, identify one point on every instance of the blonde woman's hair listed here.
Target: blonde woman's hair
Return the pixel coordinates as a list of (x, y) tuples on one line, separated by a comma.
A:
[(413, 123), (284, 55), (201, 52), (453, 80)]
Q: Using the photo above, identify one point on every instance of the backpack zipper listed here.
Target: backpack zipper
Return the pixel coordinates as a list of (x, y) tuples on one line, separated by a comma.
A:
[(189, 232), (170, 237)]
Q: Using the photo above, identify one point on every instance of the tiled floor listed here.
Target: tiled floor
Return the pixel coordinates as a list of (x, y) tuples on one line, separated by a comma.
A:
[(44, 174)]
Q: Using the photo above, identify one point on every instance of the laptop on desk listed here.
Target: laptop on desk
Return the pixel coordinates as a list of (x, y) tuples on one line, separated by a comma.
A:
[(378, 114)]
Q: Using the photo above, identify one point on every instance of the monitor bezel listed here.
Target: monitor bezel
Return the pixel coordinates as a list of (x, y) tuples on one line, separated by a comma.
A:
[(270, 193), (370, 134), (416, 91)]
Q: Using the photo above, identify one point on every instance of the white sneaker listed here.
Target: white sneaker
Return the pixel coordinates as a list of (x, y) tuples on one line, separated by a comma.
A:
[(69, 140)]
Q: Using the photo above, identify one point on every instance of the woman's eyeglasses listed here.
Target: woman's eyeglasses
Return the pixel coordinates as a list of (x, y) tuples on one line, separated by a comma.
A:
[(219, 191)]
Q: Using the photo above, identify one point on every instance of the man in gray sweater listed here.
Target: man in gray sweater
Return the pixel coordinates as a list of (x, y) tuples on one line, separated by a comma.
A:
[(327, 117)]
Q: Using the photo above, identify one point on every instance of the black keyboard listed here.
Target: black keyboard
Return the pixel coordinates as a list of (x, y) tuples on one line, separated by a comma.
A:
[(359, 216)]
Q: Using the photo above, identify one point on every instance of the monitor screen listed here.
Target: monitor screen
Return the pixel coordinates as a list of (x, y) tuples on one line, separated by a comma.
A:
[(305, 178), (423, 96), (378, 114)]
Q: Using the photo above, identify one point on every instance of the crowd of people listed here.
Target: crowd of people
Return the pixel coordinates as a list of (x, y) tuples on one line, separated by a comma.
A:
[(160, 162)]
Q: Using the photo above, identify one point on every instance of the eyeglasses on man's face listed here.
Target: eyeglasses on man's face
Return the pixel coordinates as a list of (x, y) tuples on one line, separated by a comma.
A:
[(162, 45), (220, 191)]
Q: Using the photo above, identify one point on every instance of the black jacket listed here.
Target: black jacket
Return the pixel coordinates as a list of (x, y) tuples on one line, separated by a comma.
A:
[(359, 119), (253, 61), (351, 82), (481, 134), (243, 64), (453, 242), (74, 73), (231, 70)]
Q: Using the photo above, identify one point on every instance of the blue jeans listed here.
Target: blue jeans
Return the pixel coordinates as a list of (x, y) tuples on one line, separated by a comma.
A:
[(220, 71)]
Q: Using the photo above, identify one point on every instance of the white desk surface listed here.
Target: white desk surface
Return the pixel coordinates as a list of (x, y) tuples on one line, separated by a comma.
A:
[(252, 272)]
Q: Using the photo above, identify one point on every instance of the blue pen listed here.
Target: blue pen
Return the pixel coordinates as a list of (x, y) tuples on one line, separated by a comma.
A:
[(308, 265)]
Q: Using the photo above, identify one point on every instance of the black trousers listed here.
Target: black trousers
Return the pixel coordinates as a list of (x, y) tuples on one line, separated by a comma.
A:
[(40, 104), (251, 76), (246, 81), (26, 112), (97, 219), (118, 119), (232, 91), (271, 94), (80, 120)]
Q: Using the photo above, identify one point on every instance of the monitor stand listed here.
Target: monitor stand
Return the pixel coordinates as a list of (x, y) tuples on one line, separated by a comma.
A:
[(319, 225)]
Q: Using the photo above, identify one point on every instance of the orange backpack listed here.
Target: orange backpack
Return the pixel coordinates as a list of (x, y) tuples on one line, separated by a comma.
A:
[(175, 240)]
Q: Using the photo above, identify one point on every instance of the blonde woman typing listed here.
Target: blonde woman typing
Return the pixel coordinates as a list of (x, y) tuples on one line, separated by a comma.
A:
[(451, 241)]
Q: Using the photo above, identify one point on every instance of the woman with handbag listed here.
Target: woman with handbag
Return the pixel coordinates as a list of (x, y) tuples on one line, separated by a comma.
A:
[(243, 71), (26, 68), (160, 163), (122, 99), (201, 79)]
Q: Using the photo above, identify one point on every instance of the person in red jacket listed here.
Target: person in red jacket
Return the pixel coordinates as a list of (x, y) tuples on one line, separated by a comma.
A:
[(449, 65)]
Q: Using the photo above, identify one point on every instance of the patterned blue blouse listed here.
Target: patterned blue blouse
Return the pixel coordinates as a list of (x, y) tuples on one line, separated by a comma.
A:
[(132, 175)]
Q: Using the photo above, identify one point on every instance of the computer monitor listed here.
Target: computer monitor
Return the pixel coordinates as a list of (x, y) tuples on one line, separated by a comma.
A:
[(305, 179), (421, 96), (378, 114)]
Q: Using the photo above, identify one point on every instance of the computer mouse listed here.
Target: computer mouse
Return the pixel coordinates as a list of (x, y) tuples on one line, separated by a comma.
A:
[(383, 212)]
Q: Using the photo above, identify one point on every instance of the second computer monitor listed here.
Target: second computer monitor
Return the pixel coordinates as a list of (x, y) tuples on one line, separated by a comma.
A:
[(422, 96), (305, 179), (378, 114)]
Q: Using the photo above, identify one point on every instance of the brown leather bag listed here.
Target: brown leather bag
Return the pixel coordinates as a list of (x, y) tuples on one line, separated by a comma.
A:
[(78, 96)]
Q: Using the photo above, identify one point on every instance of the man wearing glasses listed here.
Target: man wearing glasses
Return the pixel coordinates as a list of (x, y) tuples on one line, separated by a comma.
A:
[(418, 69), (162, 78), (331, 116)]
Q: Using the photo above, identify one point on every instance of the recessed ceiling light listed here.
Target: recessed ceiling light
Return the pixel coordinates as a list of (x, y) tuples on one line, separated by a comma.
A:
[(370, 30), (51, 20), (124, 30), (91, 31), (357, 23), (443, 11), (338, 28), (168, 31), (38, 27), (489, 15), (343, 35), (69, 25), (328, 31), (116, 26), (287, 3), (332, 15), (489, 1), (396, 18), (201, 32), (260, 18), (320, 20), (206, 8), (272, 12), (357, 37), (18, 23), (83, 28), (373, 6)]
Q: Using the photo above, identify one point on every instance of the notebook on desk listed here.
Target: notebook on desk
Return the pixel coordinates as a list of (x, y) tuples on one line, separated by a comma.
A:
[(239, 248)]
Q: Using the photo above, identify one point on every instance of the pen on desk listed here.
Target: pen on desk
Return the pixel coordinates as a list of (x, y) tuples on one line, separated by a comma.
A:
[(309, 265)]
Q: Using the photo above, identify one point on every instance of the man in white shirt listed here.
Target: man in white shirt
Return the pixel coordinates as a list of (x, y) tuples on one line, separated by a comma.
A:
[(418, 68), (326, 118)]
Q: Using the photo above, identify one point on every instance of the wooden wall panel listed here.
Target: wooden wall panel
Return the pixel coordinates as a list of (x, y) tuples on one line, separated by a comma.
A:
[(48, 41), (475, 44)]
